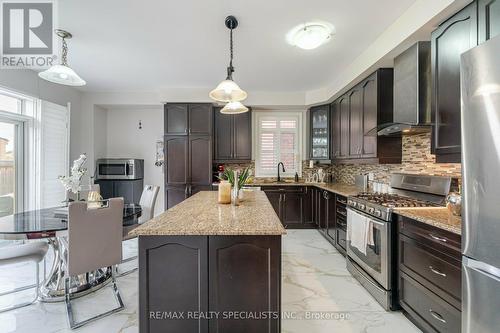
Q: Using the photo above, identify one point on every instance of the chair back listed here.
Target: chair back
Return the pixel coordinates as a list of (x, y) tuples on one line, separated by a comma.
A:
[(94, 236), (147, 202)]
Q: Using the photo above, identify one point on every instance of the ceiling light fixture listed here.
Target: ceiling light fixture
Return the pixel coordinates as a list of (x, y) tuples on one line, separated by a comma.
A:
[(228, 91), (311, 35), (234, 108), (62, 74)]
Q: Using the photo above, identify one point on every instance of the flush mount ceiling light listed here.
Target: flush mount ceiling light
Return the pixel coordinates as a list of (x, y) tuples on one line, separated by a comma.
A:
[(62, 74), (234, 108), (228, 90), (310, 35)]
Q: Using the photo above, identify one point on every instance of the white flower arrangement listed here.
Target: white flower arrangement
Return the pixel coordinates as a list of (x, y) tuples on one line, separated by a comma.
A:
[(73, 181)]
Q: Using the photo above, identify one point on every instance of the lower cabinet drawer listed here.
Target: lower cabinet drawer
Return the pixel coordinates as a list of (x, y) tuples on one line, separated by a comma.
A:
[(437, 270), (428, 310)]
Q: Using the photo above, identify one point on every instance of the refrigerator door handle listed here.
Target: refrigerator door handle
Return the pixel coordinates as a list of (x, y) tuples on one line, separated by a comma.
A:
[(490, 271)]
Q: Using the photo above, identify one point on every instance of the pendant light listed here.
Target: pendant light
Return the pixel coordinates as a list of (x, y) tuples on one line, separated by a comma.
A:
[(62, 74), (228, 90), (234, 108)]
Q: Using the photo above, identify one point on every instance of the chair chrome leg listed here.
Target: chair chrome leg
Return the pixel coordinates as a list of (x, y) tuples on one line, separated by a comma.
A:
[(21, 305), (72, 323)]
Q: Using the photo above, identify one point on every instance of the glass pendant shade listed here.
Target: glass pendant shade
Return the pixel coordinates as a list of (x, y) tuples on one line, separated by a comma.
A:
[(228, 91), (62, 75), (234, 108)]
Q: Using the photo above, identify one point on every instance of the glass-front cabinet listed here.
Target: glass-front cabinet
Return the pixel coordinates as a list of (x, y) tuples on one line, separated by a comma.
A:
[(320, 132)]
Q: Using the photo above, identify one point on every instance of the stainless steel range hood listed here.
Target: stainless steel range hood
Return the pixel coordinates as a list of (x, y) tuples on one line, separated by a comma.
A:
[(412, 93)]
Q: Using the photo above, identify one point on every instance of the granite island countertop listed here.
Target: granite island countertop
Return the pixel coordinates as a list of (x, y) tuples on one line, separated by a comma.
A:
[(201, 214), (438, 217)]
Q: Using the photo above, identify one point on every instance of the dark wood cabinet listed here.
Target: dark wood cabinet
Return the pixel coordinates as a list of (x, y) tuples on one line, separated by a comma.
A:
[(327, 215), (161, 288), (292, 204), (430, 278), (355, 122), (200, 119), (176, 119), (453, 37), (245, 276), (205, 275), (176, 166), (357, 113), (232, 137), (340, 223), (319, 148), (488, 19), (175, 194), (200, 160), (188, 153)]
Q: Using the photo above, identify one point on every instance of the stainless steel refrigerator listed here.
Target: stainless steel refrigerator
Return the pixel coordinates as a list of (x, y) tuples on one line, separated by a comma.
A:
[(480, 81)]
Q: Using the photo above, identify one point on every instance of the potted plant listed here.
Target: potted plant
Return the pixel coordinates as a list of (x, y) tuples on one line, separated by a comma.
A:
[(241, 181)]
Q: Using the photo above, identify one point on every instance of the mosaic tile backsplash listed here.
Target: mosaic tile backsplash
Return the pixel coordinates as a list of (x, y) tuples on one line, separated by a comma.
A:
[(417, 159)]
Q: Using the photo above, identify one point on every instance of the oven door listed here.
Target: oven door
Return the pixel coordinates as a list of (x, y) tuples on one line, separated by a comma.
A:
[(377, 260)]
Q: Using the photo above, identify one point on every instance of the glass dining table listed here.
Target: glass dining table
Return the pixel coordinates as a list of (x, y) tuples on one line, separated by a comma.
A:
[(46, 224)]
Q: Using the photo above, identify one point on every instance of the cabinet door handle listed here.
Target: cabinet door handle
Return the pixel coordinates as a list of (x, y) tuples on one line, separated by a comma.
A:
[(439, 239), (437, 316), (435, 271)]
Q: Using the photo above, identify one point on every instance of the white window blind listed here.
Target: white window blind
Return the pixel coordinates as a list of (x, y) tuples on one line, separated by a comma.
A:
[(54, 153), (278, 140)]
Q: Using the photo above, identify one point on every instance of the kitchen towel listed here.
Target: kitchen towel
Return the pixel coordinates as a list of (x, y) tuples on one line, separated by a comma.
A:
[(358, 228)]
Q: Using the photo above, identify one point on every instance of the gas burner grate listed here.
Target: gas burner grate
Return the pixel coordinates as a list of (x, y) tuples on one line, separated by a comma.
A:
[(391, 200)]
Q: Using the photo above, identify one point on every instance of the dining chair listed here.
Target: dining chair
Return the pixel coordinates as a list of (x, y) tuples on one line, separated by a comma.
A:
[(94, 241), (16, 254), (147, 203)]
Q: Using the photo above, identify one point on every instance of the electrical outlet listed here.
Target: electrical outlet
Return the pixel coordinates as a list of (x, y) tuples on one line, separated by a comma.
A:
[(371, 176)]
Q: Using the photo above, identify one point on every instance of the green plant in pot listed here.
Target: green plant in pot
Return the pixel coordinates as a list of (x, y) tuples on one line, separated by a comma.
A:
[(242, 178)]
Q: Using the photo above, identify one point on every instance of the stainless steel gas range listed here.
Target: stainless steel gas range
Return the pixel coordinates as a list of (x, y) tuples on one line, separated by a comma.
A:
[(371, 243)]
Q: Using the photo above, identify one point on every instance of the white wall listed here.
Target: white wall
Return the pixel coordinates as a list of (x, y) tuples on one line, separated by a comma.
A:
[(125, 139), (100, 132)]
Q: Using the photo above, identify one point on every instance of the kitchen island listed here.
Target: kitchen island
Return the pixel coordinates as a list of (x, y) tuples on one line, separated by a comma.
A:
[(208, 267)]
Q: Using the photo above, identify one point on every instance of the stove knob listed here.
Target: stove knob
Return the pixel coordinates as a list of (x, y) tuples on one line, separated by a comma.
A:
[(349, 202), (361, 206), (371, 210), (354, 204), (378, 213)]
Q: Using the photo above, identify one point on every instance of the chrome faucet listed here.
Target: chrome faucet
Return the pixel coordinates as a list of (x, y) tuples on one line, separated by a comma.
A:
[(282, 169)]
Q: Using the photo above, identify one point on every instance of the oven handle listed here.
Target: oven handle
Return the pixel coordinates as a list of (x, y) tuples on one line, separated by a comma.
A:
[(372, 219)]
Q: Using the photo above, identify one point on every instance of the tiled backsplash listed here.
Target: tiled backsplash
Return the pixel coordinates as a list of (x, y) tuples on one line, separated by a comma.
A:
[(417, 159)]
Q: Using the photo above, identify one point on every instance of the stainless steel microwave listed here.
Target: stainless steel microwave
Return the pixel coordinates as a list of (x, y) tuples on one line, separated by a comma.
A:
[(119, 168)]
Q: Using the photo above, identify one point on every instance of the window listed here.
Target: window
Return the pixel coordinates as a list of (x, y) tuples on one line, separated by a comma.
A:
[(278, 139), (34, 141)]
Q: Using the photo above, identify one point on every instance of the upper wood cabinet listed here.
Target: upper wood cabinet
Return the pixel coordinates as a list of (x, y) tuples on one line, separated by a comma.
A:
[(185, 119), (455, 36), (232, 137), (355, 114), (488, 19)]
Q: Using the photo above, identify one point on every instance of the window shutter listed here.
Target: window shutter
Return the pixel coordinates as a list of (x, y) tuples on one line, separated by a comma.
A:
[(277, 142), (54, 153)]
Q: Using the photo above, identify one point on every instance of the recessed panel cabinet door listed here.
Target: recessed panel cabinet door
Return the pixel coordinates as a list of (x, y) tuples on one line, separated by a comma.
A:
[(223, 135), (242, 134), (293, 208), (176, 119), (176, 160), (175, 195), (344, 127), (200, 160), (488, 19), (245, 277), (173, 271), (369, 89), (455, 36), (356, 122), (200, 119), (335, 129)]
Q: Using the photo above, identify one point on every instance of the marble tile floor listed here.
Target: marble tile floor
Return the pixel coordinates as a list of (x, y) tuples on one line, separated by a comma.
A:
[(315, 283)]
